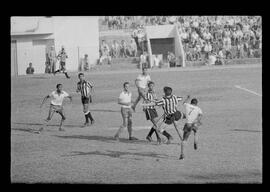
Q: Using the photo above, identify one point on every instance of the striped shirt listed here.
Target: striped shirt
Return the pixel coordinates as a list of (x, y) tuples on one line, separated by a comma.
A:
[(150, 97), (84, 87), (169, 104)]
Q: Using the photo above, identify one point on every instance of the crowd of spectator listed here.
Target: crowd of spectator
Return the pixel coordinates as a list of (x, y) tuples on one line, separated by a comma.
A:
[(222, 37)]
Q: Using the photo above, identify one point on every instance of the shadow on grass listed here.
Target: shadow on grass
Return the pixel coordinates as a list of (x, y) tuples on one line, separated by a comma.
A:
[(118, 154), (52, 125), (105, 110), (226, 177), (23, 129), (247, 130), (109, 139)]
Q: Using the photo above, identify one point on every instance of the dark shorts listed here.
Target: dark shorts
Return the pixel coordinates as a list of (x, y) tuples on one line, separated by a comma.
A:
[(150, 114), (188, 128), (86, 100), (62, 66), (169, 119)]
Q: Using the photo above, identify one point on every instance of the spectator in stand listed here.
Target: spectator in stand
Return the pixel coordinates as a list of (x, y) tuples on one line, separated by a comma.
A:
[(123, 49), (86, 63), (156, 61), (52, 59), (105, 52), (207, 35), (143, 61), (240, 49), (115, 49), (171, 59), (207, 49), (197, 51), (132, 48), (220, 57), (211, 59), (30, 70), (188, 52), (227, 47)]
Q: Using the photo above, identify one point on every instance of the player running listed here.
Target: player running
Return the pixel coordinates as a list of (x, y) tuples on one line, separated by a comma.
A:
[(150, 112), (193, 121), (125, 101), (62, 56), (171, 114), (141, 83), (85, 87), (56, 105)]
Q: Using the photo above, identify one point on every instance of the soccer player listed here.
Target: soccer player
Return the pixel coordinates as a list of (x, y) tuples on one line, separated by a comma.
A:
[(141, 83), (56, 105), (62, 56), (193, 121), (151, 113), (85, 87), (125, 101), (169, 104)]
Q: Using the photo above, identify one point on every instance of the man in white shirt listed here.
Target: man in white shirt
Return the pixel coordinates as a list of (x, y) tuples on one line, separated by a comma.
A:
[(156, 61), (143, 60), (125, 101), (193, 121), (141, 83), (211, 59), (56, 105)]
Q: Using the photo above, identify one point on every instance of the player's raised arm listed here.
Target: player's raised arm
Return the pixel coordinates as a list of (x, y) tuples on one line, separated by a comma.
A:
[(45, 98), (188, 97), (70, 98)]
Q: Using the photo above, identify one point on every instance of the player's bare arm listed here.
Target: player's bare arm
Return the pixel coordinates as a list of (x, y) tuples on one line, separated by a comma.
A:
[(185, 101), (44, 100), (199, 119), (70, 98)]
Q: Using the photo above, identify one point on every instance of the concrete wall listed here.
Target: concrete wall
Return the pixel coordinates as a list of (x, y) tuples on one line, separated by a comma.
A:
[(79, 36), (29, 52)]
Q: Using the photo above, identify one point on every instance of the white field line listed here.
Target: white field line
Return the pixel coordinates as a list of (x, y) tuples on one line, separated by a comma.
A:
[(250, 91)]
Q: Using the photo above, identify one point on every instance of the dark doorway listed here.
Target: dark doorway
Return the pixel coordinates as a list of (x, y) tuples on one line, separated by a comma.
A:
[(162, 46)]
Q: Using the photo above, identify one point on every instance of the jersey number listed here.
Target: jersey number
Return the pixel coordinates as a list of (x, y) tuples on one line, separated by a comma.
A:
[(190, 111)]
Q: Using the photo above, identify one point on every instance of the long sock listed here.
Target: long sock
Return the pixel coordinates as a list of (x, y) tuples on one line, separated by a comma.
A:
[(151, 132), (129, 127), (158, 137), (86, 117), (57, 71), (90, 116), (166, 134), (66, 74), (183, 143)]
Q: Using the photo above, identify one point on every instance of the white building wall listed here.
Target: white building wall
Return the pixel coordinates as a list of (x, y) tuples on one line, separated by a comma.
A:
[(27, 52), (79, 35)]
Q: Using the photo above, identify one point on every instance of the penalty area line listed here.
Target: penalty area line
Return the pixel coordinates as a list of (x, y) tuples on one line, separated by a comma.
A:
[(250, 91)]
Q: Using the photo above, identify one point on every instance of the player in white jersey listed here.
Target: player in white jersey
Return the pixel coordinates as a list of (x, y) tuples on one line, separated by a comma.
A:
[(56, 105), (193, 121), (141, 83), (125, 101)]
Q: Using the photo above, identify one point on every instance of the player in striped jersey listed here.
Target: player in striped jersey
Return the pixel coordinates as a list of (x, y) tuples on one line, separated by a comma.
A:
[(150, 111), (85, 88), (169, 104)]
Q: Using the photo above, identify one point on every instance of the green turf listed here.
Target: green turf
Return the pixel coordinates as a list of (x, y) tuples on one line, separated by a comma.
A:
[(230, 140)]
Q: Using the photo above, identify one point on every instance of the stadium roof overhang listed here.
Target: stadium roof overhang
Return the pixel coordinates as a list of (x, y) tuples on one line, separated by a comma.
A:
[(29, 33)]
